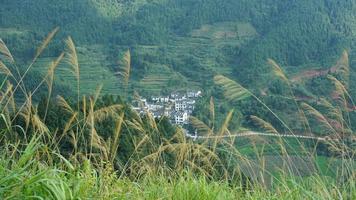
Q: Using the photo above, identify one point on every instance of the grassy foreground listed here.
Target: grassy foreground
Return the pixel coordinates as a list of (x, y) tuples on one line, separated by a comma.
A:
[(27, 178), (99, 148)]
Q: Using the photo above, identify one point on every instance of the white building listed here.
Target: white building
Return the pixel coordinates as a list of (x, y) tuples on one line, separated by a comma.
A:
[(194, 94), (180, 105), (180, 117), (161, 99)]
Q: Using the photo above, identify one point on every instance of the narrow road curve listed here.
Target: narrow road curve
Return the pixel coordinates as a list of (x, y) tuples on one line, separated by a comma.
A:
[(252, 133)]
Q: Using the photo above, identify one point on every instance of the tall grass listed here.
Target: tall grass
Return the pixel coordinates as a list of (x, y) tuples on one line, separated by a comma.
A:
[(78, 160)]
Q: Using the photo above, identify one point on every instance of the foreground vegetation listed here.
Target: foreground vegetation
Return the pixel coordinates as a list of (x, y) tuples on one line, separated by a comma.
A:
[(27, 178), (97, 147)]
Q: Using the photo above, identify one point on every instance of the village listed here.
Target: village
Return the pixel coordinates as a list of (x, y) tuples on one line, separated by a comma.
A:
[(178, 106)]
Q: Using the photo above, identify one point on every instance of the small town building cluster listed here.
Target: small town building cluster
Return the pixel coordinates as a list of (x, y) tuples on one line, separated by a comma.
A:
[(178, 106)]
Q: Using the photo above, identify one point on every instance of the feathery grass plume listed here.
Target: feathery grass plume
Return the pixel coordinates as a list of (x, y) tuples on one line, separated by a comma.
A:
[(50, 72), (72, 57), (95, 140), (45, 42), (343, 67), (64, 104), (232, 90), (97, 92), (2, 84), (136, 125), (91, 122), (341, 90), (125, 68), (9, 90), (225, 125), (212, 112), (137, 98), (318, 116), (108, 111), (7, 130), (72, 60), (152, 121), (7, 111), (266, 126), (26, 112), (67, 127), (343, 97), (224, 129), (8, 93), (11, 97), (137, 146), (53, 65), (235, 92), (74, 141), (277, 70), (42, 47), (38, 125), (5, 51), (49, 80), (332, 111), (115, 142), (84, 107), (201, 127), (4, 70)]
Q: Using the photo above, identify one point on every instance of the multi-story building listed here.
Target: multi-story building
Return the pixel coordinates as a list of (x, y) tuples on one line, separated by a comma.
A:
[(180, 117), (180, 105)]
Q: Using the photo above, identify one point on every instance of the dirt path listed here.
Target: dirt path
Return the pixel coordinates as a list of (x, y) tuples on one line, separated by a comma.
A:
[(314, 73)]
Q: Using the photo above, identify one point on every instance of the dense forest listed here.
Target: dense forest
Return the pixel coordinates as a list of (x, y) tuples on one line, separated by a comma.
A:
[(294, 32)]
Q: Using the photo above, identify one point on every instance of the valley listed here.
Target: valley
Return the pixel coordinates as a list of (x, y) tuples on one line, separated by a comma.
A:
[(177, 99)]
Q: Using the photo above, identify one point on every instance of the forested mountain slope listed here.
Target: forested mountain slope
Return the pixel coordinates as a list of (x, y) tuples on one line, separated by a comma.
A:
[(169, 35)]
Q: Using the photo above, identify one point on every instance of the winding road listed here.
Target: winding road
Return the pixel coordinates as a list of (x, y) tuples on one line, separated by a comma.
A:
[(252, 133)]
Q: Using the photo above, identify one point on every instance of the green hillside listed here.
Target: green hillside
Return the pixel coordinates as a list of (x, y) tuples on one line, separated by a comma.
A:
[(237, 36), (179, 44)]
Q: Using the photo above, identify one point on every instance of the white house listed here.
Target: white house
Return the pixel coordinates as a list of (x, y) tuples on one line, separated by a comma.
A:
[(160, 99), (194, 94), (180, 117), (164, 99)]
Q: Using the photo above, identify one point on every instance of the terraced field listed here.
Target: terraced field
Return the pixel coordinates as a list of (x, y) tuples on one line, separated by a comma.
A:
[(225, 30), (113, 9), (93, 72), (193, 59), (160, 77)]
